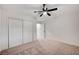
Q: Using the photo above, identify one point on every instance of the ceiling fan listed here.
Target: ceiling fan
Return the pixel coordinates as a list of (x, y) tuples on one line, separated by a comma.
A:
[(45, 10)]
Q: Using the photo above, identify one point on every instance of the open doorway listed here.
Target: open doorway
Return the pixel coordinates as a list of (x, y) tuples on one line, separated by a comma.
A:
[(40, 30)]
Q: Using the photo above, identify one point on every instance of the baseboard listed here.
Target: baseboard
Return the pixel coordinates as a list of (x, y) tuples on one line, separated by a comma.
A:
[(65, 41)]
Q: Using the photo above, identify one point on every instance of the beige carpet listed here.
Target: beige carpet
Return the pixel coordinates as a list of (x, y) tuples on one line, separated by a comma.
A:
[(43, 47)]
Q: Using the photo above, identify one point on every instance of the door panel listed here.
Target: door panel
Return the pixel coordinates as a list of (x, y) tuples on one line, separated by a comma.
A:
[(0, 21), (15, 32), (3, 31)]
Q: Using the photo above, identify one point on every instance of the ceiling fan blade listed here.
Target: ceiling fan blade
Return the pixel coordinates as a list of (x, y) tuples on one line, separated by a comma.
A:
[(52, 9), (37, 11), (41, 14), (48, 14)]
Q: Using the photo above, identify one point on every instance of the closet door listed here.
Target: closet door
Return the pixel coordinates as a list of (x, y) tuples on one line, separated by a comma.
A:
[(15, 32), (0, 31), (3, 31), (27, 31)]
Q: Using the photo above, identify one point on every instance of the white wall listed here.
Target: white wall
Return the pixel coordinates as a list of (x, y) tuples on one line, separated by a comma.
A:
[(27, 31), (18, 32), (64, 25)]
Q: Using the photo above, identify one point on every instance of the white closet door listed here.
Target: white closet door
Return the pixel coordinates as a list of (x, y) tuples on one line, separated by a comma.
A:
[(27, 32), (0, 31), (3, 31), (15, 32)]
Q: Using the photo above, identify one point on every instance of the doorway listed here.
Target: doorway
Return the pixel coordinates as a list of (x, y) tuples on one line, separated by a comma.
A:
[(40, 31)]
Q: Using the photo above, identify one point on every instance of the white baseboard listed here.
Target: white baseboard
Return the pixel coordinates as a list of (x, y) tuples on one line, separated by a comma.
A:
[(66, 41)]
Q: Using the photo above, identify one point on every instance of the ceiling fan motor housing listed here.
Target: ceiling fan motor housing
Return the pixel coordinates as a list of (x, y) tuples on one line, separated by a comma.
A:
[(45, 10)]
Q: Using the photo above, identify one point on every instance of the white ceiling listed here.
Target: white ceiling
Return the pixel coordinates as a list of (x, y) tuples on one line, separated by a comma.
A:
[(26, 10)]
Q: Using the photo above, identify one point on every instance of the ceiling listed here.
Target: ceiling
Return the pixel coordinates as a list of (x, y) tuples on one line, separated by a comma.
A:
[(27, 10)]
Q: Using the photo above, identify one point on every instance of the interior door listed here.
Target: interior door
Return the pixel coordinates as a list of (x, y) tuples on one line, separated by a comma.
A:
[(15, 32), (27, 31), (40, 30)]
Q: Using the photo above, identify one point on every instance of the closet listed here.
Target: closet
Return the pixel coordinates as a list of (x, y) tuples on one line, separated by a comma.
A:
[(20, 32), (15, 32)]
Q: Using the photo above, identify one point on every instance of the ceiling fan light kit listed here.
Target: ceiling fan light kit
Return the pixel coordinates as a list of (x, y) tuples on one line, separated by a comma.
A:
[(45, 11)]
